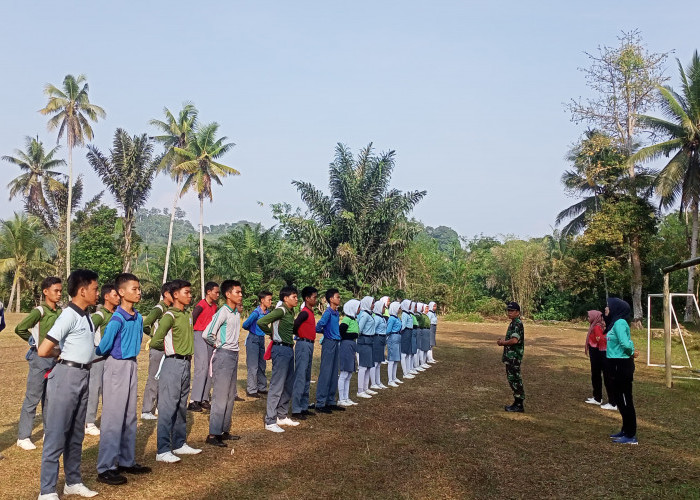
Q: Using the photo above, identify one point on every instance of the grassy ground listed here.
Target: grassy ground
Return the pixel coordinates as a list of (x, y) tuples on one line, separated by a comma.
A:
[(441, 435)]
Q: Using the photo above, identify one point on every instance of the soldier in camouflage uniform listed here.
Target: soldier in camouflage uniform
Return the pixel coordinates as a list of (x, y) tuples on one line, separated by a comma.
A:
[(513, 348)]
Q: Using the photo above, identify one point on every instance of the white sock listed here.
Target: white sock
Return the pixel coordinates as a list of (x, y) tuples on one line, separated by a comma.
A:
[(373, 374), (423, 357), (361, 379), (403, 364), (347, 385), (416, 360), (394, 372), (390, 370), (368, 371)]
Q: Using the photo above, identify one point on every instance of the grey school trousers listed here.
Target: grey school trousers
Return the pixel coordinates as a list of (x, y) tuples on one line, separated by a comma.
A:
[(64, 425), (255, 363), (118, 429), (201, 381), (96, 370), (327, 383), (223, 395), (281, 383), (35, 393), (173, 388), (303, 355), (150, 392)]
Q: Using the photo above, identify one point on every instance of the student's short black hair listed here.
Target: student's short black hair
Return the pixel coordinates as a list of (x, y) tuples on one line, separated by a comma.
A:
[(330, 292), (228, 285), (123, 278), (210, 286), (287, 291), (80, 278), (176, 285), (165, 288), (263, 294), (308, 291), (49, 282), (106, 289)]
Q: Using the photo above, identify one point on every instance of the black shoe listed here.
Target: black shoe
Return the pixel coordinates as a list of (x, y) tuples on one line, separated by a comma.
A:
[(299, 416), (111, 477), (195, 406), (312, 406), (215, 441), (254, 395), (336, 408), (205, 405), (515, 408), (308, 413), (230, 437), (134, 469), (238, 398), (263, 391), (324, 409)]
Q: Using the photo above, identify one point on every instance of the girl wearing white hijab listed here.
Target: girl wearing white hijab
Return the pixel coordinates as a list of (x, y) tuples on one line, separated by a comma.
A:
[(348, 346), (406, 332), (414, 362), (379, 342), (393, 343), (425, 341), (364, 347), (432, 315), (418, 328)]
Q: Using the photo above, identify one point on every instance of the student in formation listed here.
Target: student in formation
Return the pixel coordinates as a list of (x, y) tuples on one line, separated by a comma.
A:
[(174, 336), (364, 348), (595, 348), (110, 301), (279, 324), (424, 322), (349, 331), (513, 350), (255, 347), (432, 316), (379, 344), (202, 314), (33, 329), (393, 343), (406, 334), (329, 326), (155, 357), (121, 344), (73, 335), (223, 333), (305, 330), (415, 358)]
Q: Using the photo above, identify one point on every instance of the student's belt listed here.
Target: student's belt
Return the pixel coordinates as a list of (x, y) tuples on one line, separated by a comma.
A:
[(274, 342), (305, 340), (179, 356), (82, 366)]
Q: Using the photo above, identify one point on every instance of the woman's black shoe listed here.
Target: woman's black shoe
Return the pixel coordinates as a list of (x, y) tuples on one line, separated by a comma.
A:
[(111, 477), (135, 469), (230, 437), (215, 441)]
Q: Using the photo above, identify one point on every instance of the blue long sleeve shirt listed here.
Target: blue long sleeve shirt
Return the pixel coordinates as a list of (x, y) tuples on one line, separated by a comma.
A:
[(379, 324), (251, 323), (406, 321), (329, 324), (393, 325), (122, 336), (366, 323)]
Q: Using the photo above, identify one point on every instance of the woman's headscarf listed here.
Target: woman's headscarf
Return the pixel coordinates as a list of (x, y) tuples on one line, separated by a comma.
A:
[(413, 307), (419, 308), (618, 309), (394, 308), (379, 306), (350, 308), (431, 306), (366, 304), (595, 318), (406, 305)]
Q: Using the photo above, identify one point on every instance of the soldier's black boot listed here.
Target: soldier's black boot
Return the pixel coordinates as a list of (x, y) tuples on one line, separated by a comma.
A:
[(516, 407)]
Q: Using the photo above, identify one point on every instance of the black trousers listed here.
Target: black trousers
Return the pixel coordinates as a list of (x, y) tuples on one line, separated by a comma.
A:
[(623, 375), (600, 373)]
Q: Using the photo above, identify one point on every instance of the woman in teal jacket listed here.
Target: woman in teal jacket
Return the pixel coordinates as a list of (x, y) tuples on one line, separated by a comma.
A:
[(620, 354)]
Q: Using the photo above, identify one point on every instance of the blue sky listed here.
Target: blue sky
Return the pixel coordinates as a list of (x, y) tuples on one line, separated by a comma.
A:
[(469, 94)]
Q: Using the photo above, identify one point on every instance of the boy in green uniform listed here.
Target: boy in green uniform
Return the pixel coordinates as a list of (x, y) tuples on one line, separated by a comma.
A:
[(175, 337), (110, 301), (279, 324), (33, 329), (513, 349), (150, 325)]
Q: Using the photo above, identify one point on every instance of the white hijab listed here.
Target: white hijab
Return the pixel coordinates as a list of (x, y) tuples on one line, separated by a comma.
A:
[(419, 307), (379, 306), (350, 308), (406, 305), (366, 304), (394, 308), (431, 306)]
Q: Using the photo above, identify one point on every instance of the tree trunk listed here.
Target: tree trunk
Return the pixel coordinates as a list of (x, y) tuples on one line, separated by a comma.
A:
[(128, 223), (637, 311), (201, 243), (70, 205), (689, 303), (170, 232), (12, 293), (19, 293)]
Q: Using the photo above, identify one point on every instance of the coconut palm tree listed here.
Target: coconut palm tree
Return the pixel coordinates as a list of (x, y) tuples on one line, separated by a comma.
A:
[(71, 112), (679, 180), (22, 243), (128, 174), (36, 164), (176, 132), (200, 169)]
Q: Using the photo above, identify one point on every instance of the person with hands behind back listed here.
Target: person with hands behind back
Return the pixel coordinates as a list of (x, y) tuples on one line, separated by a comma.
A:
[(513, 350)]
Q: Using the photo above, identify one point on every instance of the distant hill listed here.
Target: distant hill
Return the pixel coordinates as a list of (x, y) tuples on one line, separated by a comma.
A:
[(153, 224)]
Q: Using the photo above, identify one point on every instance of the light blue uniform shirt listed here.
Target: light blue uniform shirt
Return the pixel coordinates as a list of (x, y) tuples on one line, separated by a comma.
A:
[(406, 321), (393, 325), (75, 335), (379, 324), (366, 323)]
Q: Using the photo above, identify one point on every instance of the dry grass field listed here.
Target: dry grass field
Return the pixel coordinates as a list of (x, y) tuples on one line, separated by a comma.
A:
[(442, 435)]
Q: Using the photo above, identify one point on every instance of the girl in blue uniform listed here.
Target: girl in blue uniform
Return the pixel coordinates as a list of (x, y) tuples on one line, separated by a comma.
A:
[(379, 342), (364, 347), (393, 343), (406, 331)]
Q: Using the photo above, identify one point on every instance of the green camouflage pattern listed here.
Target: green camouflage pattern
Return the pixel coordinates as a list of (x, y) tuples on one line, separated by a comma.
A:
[(515, 379), (514, 352)]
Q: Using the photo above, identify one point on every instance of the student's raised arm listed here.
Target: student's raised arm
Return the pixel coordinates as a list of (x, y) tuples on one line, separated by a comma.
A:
[(325, 318), (108, 336), (63, 325), (152, 317), (251, 320), (214, 326), (267, 320), (164, 326), (22, 329)]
